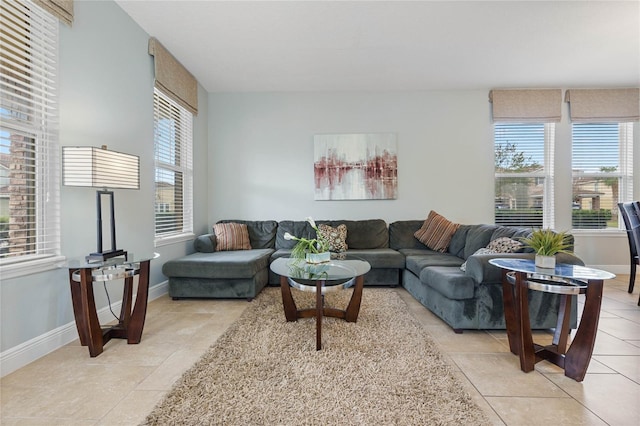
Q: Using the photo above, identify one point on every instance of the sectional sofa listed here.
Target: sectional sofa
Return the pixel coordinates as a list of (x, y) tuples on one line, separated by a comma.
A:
[(464, 299)]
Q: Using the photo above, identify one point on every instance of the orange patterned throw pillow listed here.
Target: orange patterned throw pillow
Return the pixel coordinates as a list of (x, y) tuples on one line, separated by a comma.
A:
[(436, 232), (231, 236)]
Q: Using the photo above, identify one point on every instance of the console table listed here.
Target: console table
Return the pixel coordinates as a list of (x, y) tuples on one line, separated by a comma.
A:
[(83, 274), (321, 278), (519, 275)]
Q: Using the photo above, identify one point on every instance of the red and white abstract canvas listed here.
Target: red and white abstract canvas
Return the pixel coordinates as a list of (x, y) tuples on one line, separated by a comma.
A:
[(361, 166)]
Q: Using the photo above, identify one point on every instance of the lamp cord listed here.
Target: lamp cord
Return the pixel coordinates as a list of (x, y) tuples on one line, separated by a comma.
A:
[(109, 301)]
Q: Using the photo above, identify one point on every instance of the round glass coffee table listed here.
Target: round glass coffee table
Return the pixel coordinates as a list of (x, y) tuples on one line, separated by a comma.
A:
[(337, 274)]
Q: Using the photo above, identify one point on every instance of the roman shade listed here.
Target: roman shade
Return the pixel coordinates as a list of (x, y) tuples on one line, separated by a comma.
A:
[(172, 78), (61, 9), (526, 105), (603, 105)]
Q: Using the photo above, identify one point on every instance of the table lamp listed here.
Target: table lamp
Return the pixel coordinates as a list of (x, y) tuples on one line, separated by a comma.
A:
[(100, 168)]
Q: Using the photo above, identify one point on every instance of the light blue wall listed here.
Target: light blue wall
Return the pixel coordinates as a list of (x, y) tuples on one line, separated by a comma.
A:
[(261, 146), (262, 149), (106, 98)]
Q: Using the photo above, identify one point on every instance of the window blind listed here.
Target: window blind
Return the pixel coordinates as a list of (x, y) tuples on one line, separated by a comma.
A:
[(173, 168), (29, 151), (523, 174), (602, 165)]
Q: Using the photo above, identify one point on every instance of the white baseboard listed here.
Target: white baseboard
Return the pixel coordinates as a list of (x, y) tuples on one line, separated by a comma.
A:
[(29, 351)]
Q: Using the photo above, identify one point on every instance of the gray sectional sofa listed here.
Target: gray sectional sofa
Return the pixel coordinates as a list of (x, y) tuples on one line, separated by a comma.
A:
[(470, 299)]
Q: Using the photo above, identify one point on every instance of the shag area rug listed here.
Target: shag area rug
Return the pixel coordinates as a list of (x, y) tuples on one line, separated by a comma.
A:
[(384, 369)]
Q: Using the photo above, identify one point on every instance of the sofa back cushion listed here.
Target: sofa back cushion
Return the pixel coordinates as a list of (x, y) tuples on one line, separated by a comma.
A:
[(401, 234), (364, 234), (361, 234), (478, 236), (262, 233)]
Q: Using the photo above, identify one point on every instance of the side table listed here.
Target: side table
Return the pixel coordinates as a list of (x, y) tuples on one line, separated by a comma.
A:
[(519, 275), (83, 274)]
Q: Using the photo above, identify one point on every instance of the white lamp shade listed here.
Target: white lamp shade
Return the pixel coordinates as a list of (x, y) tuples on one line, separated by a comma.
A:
[(99, 168)]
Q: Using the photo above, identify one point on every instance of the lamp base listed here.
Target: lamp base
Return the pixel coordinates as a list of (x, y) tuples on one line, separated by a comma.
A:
[(101, 257)]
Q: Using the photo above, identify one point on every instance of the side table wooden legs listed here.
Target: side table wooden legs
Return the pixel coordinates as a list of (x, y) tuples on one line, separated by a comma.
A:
[(573, 360), (130, 323)]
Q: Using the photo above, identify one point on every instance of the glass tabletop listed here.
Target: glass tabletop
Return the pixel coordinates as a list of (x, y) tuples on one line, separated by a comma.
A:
[(562, 270), (335, 273), (81, 262)]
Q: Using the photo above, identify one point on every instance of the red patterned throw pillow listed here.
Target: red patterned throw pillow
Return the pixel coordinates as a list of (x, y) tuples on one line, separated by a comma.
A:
[(436, 232), (231, 236)]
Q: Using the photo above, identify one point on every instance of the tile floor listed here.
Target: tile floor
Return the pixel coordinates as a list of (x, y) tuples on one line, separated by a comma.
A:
[(122, 385)]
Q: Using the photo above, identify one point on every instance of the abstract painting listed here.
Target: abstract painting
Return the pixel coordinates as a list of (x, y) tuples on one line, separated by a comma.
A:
[(362, 166)]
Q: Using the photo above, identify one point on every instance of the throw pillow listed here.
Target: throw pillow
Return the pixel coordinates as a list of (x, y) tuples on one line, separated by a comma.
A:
[(231, 236), (337, 237), (482, 250), (504, 245), (436, 232)]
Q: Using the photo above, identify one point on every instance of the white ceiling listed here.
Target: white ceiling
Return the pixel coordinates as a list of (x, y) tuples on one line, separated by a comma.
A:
[(239, 46)]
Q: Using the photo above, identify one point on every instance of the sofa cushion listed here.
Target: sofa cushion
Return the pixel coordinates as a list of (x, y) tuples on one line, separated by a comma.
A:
[(364, 234), (231, 236), (416, 262), (478, 236), (337, 237), (205, 243), (401, 234), (458, 240), (221, 264), (449, 281), (298, 228), (436, 232), (380, 258), (262, 233)]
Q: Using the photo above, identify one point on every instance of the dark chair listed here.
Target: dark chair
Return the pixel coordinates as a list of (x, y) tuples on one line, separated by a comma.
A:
[(631, 214)]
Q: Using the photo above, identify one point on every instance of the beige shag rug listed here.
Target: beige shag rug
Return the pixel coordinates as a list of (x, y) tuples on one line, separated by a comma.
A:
[(383, 370)]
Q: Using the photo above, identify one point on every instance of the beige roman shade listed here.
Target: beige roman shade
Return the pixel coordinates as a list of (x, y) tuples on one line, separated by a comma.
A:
[(603, 105), (172, 78), (61, 9), (526, 105)]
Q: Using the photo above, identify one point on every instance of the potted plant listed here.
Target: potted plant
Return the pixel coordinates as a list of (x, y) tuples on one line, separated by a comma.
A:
[(546, 243), (315, 250)]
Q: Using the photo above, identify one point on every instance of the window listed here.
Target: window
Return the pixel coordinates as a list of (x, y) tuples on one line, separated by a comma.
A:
[(602, 166), (524, 174), (29, 152), (173, 170)]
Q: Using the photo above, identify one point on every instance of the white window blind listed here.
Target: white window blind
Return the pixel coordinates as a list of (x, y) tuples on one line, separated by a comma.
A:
[(524, 174), (602, 165), (173, 169), (29, 152)]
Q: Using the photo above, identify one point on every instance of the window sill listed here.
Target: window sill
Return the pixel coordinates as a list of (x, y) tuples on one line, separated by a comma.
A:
[(174, 239), (602, 233), (29, 267)]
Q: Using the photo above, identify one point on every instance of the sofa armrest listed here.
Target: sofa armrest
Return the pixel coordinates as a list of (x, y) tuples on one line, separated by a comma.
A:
[(479, 268), (205, 243)]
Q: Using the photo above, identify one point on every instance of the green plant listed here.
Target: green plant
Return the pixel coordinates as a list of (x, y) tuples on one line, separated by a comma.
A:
[(306, 245), (547, 242)]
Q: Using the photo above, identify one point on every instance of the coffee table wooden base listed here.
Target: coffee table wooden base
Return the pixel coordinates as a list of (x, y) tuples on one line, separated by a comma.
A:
[(292, 313)]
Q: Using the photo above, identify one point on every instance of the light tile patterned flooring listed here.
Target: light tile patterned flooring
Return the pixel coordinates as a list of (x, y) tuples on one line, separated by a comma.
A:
[(122, 385)]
